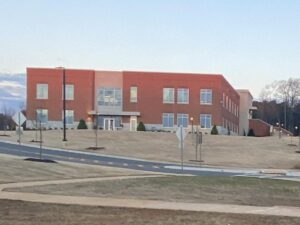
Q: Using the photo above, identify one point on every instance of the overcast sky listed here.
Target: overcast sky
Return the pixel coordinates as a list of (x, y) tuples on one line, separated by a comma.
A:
[(250, 42)]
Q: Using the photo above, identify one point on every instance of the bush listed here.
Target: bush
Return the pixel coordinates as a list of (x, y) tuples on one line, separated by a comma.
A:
[(214, 130), (141, 127), (82, 125), (251, 133)]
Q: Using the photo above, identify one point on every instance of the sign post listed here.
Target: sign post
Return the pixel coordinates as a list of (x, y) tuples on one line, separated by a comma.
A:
[(181, 134), (19, 119)]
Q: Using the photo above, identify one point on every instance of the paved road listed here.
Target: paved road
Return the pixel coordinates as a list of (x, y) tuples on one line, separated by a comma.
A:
[(120, 162)]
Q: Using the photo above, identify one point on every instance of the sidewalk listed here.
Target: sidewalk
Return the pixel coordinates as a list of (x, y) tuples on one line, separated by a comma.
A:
[(135, 203)]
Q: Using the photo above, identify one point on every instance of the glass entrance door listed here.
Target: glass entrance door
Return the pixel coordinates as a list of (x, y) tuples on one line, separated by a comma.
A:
[(109, 124)]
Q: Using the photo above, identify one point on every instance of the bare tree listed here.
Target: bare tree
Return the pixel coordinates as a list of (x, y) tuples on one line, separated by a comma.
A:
[(283, 91)]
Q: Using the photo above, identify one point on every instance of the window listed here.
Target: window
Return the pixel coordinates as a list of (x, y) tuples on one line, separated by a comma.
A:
[(133, 94), (206, 96), (168, 120), (168, 95), (69, 92), (109, 97), (42, 91), (42, 115), (227, 102), (205, 121), (182, 119), (183, 96), (69, 116)]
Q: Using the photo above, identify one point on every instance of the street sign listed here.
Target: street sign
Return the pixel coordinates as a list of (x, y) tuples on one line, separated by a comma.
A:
[(19, 118), (178, 133)]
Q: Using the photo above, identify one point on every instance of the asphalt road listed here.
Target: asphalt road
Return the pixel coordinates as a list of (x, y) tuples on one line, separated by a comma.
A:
[(113, 161)]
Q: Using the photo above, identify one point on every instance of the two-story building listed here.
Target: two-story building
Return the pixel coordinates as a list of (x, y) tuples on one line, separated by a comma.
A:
[(121, 99)]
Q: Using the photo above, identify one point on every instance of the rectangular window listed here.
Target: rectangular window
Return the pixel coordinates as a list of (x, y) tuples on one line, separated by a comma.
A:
[(109, 97), (42, 115), (69, 116), (168, 95), (182, 119), (69, 92), (133, 94), (206, 96), (183, 96), (168, 120), (205, 121), (42, 91)]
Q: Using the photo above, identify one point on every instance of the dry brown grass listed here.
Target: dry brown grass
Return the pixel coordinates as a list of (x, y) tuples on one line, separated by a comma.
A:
[(27, 213), (227, 151)]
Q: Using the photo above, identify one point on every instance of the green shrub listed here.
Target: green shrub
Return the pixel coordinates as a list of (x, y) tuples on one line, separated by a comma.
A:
[(141, 127), (251, 133), (82, 125), (214, 130)]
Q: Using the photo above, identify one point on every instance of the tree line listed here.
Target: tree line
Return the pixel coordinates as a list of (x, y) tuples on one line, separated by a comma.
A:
[(280, 103)]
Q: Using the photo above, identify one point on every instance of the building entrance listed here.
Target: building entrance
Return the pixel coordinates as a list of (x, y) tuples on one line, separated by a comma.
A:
[(109, 124)]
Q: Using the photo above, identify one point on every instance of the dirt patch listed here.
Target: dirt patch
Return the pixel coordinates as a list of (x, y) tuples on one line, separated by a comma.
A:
[(26, 213)]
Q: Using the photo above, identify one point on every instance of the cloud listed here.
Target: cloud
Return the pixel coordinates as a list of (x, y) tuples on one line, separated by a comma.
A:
[(11, 84), (12, 90)]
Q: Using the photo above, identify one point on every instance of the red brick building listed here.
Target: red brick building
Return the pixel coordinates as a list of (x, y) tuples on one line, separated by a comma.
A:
[(120, 100)]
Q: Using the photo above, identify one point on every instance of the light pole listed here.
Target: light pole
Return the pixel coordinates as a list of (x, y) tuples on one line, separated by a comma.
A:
[(296, 128), (64, 102), (192, 121), (279, 131)]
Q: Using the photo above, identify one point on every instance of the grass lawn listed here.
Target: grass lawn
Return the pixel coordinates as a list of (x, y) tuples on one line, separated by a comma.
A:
[(27, 213), (226, 190), (16, 169)]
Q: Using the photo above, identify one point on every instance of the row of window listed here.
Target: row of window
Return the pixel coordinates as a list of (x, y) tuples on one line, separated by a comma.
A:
[(42, 116), (230, 105), (113, 96), (183, 120), (230, 125), (42, 91), (183, 96)]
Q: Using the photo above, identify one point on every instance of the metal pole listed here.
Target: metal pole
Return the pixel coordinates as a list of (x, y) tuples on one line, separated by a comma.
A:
[(64, 104), (41, 140), (285, 114), (181, 145), (197, 136), (97, 131), (19, 127)]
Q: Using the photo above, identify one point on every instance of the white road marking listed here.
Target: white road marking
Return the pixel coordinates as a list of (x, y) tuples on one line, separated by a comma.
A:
[(140, 165), (155, 167), (82, 160), (125, 164), (110, 163), (96, 161)]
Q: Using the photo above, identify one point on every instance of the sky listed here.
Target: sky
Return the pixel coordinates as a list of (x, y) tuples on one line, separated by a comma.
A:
[(251, 42)]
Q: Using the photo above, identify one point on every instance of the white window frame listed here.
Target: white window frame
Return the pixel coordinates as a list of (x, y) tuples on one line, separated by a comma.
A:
[(42, 111), (168, 92), (206, 116), (133, 89), (68, 96), (41, 91), (168, 116), (204, 93), (181, 94), (183, 116), (67, 112)]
